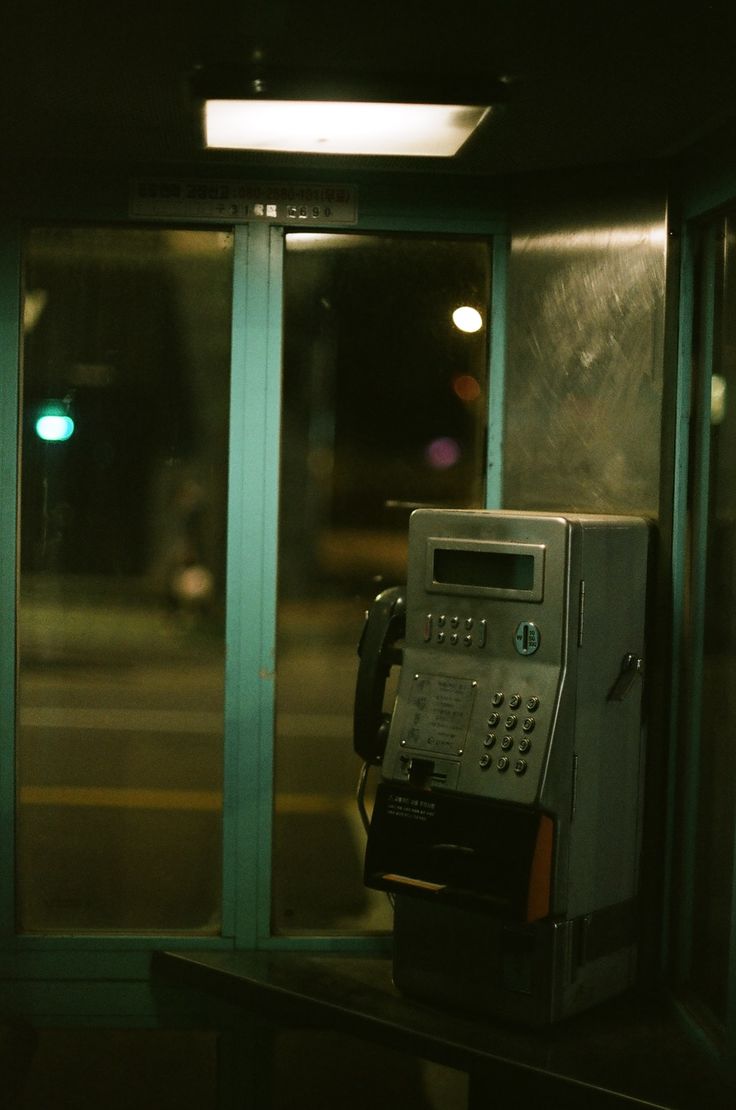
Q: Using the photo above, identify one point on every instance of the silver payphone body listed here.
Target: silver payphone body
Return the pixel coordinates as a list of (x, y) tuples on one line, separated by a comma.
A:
[(507, 819)]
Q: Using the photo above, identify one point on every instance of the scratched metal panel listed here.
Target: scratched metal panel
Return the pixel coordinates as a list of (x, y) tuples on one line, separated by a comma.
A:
[(584, 362)]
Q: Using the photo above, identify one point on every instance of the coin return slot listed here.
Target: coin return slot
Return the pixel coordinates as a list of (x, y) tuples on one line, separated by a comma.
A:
[(421, 772)]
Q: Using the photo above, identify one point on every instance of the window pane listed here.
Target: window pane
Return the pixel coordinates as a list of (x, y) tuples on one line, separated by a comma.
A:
[(120, 649), (384, 407), (717, 763)]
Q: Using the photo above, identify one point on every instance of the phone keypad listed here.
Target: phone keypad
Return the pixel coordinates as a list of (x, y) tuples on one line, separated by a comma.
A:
[(508, 741)]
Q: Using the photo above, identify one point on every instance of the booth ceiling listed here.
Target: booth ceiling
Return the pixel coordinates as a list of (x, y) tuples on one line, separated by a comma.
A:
[(587, 83)]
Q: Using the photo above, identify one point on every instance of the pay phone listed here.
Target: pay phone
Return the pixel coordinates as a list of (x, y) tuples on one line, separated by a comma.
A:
[(506, 824)]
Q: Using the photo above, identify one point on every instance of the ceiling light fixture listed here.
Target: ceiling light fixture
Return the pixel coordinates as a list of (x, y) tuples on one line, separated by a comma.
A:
[(305, 115)]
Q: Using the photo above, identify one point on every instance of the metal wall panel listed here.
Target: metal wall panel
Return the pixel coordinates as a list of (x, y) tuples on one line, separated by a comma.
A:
[(585, 355)]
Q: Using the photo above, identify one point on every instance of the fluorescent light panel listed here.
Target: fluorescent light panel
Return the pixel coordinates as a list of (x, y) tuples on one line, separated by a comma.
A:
[(335, 127)]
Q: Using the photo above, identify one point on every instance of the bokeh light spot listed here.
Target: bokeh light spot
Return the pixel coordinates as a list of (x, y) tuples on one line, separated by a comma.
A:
[(54, 427), (467, 319), (466, 387), (442, 453)]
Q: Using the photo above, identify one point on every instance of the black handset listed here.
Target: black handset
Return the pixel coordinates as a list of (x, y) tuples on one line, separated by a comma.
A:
[(385, 626)]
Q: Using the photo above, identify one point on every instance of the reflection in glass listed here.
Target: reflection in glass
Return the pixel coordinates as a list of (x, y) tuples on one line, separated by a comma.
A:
[(384, 407), (120, 643)]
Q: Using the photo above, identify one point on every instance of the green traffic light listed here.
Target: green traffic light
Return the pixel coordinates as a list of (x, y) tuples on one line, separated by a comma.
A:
[(54, 424)]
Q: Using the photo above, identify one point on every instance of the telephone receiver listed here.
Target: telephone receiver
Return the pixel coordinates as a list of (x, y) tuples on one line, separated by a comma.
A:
[(378, 650)]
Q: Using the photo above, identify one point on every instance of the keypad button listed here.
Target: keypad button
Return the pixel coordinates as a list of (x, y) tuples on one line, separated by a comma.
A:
[(525, 745), (468, 640), (520, 767), (485, 761), (532, 705), (494, 719), (497, 698), (507, 743), (515, 701), (511, 721), (454, 621), (528, 724), (440, 637), (489, 740), (468, 623), (453, 638), (503, 763)]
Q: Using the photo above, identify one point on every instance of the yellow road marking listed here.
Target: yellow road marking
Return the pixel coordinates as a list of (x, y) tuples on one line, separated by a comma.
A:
[(205, 722), (114, 720), (121, 797)]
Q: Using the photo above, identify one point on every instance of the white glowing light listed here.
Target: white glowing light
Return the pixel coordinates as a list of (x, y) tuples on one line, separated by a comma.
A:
[(333, 127), (467, 319), (599, 239), (718, 394)]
